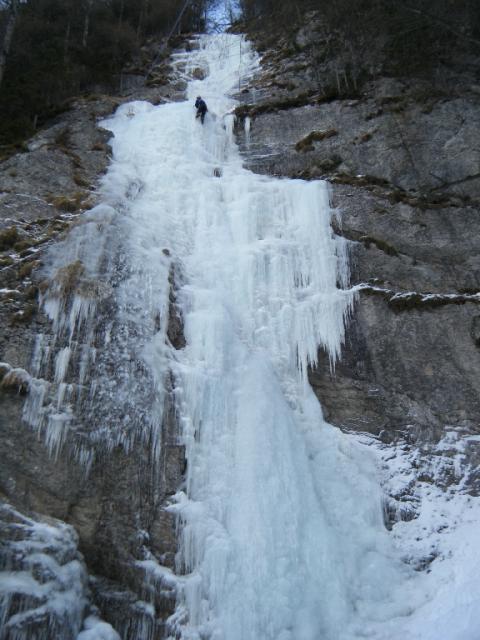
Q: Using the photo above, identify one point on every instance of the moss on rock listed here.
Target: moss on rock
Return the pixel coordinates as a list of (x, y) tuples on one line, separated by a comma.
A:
[(80, 181), (26, 268), (379, 244), (306, 143), (8, 237), (25, 315), (67, 278), (23, 244), (69, 204)]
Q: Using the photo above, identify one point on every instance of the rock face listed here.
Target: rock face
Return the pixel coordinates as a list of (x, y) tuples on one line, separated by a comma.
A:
[(401, 154), (119, 529)]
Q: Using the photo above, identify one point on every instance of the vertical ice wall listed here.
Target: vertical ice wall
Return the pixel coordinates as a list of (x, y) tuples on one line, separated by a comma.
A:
[(281, 532)]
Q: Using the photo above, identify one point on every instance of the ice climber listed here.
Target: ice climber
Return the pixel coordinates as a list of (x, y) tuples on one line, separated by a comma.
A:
[(201, 107)]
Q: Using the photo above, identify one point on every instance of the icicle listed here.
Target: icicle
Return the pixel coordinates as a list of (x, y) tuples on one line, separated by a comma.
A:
[(56, 432), (38, 354), (229, 126), (246, 128), (61, 363)]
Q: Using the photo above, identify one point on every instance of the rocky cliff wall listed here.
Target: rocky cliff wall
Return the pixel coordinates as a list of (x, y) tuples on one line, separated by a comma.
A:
[(402, 156), (115, 503)]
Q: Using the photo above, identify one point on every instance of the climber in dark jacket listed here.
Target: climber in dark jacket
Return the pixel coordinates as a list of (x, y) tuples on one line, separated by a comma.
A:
[(201, 107)]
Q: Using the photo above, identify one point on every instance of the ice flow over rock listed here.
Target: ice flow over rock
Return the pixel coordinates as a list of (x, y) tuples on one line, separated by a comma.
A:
[(280, 523), (281, 530)]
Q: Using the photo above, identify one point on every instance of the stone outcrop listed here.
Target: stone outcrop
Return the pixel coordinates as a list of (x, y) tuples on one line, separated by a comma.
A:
[(401, 154), (43, 581)]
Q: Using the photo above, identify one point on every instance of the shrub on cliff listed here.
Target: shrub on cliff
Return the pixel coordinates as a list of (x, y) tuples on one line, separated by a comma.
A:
[(400, 36)]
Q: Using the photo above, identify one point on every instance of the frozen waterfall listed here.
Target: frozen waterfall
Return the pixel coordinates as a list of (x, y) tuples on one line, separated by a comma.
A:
[(280, 520), (280, 517)]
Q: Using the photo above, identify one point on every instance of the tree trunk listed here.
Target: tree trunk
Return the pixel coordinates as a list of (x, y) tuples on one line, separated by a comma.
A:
[(66, 44), (7, 39), (120, 16), (86, 24), (142, 19)]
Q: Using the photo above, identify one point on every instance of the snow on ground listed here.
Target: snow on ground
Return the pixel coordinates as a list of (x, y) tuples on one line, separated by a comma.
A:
[(437, 533)]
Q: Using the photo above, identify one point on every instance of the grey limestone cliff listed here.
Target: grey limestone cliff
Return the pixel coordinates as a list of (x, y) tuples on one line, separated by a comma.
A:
[(401, 152), (98, 514)]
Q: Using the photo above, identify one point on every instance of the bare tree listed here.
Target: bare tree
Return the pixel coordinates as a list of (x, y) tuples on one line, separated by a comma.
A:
[(86, 23), (12, 13)]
